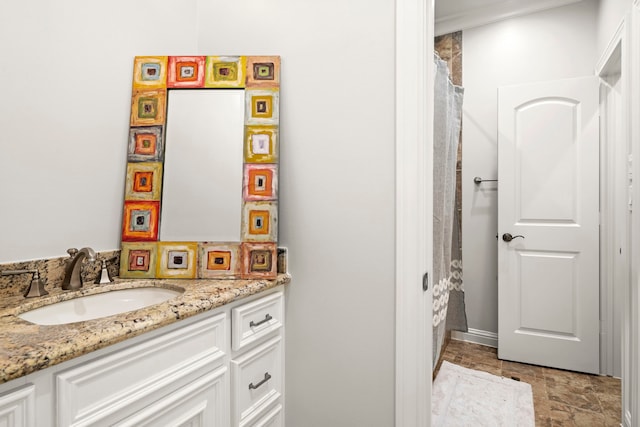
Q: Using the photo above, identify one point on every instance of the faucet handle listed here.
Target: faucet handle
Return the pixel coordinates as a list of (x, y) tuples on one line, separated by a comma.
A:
[(104, 276), (72, 252), (36, 287)]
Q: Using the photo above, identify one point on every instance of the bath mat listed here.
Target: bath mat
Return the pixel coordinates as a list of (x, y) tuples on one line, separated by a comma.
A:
[(465, 397)]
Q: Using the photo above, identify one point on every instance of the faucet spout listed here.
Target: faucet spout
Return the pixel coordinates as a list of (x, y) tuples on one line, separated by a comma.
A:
[(72, 278)]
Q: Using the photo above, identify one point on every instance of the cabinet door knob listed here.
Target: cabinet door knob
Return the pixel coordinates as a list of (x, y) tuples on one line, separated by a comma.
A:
[(266, 319), (266, 378)]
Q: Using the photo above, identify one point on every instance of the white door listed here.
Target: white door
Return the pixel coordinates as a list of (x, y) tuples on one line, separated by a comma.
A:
[(548, 173)]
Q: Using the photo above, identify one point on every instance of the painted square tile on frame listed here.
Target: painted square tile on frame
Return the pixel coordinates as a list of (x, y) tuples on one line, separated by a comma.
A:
[(138, 260), (219, 260), (144, 181), (177, 260)]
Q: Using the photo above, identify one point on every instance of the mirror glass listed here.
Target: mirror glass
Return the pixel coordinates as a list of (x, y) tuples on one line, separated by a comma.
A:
[(202, 185)]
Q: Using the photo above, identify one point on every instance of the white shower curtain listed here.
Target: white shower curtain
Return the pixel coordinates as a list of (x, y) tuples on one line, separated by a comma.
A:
[(447, 269)]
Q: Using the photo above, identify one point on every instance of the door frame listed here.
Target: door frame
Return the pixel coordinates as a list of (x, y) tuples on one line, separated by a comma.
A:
[(626, 38), (630, 391), (414, 210), (614, 217)]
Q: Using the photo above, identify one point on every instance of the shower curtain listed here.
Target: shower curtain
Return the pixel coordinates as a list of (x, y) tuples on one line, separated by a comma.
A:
[(448, 294)]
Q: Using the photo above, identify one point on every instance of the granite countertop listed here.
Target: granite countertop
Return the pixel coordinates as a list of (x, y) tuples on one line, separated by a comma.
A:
[(27, 347)]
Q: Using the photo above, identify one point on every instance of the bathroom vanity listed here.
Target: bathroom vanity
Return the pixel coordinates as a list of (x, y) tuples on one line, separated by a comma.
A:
[(212, 356)]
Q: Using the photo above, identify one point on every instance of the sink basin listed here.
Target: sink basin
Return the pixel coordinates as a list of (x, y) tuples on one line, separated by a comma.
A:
[(98, 305)]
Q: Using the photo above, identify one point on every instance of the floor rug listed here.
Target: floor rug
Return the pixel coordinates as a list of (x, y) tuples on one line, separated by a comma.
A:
[(465, 397)]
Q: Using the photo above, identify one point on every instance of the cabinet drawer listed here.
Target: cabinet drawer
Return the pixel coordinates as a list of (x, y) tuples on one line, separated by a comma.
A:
[(255, 320), (109, 388), (273, 418), (257, 381)]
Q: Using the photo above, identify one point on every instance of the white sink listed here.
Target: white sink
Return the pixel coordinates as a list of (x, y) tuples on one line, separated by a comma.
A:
[(98, 305)]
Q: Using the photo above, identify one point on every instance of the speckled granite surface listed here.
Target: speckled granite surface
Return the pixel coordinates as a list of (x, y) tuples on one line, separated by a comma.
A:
[(26, 348), (52, 272)]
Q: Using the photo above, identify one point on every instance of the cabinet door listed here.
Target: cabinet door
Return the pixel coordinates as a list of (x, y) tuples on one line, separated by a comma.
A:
[(202, 403), (17, 407), (104, 390), (257, 381)]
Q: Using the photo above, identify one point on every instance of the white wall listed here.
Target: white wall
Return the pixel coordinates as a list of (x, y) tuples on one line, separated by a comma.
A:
[(337, 199), (554, 44), (65, 85), (337, 196), (65, 81)]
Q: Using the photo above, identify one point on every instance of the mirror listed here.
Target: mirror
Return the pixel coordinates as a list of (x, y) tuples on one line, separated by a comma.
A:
[(202, 188), (202, 168)]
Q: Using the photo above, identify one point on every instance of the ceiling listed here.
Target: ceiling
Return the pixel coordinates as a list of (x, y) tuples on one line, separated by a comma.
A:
[(456, 15)]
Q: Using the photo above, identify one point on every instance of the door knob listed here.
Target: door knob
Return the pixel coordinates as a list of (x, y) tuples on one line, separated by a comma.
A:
[(507, 237)]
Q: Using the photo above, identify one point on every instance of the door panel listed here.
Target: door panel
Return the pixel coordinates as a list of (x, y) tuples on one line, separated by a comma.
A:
[(546, 129), (548, 280), (548, 160)]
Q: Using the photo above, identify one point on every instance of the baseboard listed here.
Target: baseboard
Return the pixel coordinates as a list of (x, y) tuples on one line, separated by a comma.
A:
[(477, 336)]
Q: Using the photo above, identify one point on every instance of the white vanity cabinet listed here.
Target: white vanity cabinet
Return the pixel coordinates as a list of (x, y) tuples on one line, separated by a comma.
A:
[(191, 373)]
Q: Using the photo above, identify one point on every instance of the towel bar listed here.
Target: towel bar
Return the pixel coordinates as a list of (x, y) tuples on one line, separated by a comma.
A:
[(479, 180)]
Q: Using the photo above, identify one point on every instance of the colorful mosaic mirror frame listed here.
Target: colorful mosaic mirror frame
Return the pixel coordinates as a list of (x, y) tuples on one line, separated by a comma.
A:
[(144, 255)]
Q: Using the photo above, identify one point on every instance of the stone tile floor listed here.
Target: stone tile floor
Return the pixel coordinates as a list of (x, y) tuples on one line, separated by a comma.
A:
[(560, 398)]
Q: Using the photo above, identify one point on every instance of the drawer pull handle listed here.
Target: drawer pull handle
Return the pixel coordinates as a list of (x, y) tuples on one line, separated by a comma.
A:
[(266, 319), (267, 377)]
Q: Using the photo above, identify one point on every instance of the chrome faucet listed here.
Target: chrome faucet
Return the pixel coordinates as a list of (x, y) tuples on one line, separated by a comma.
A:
[(72, 278)]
